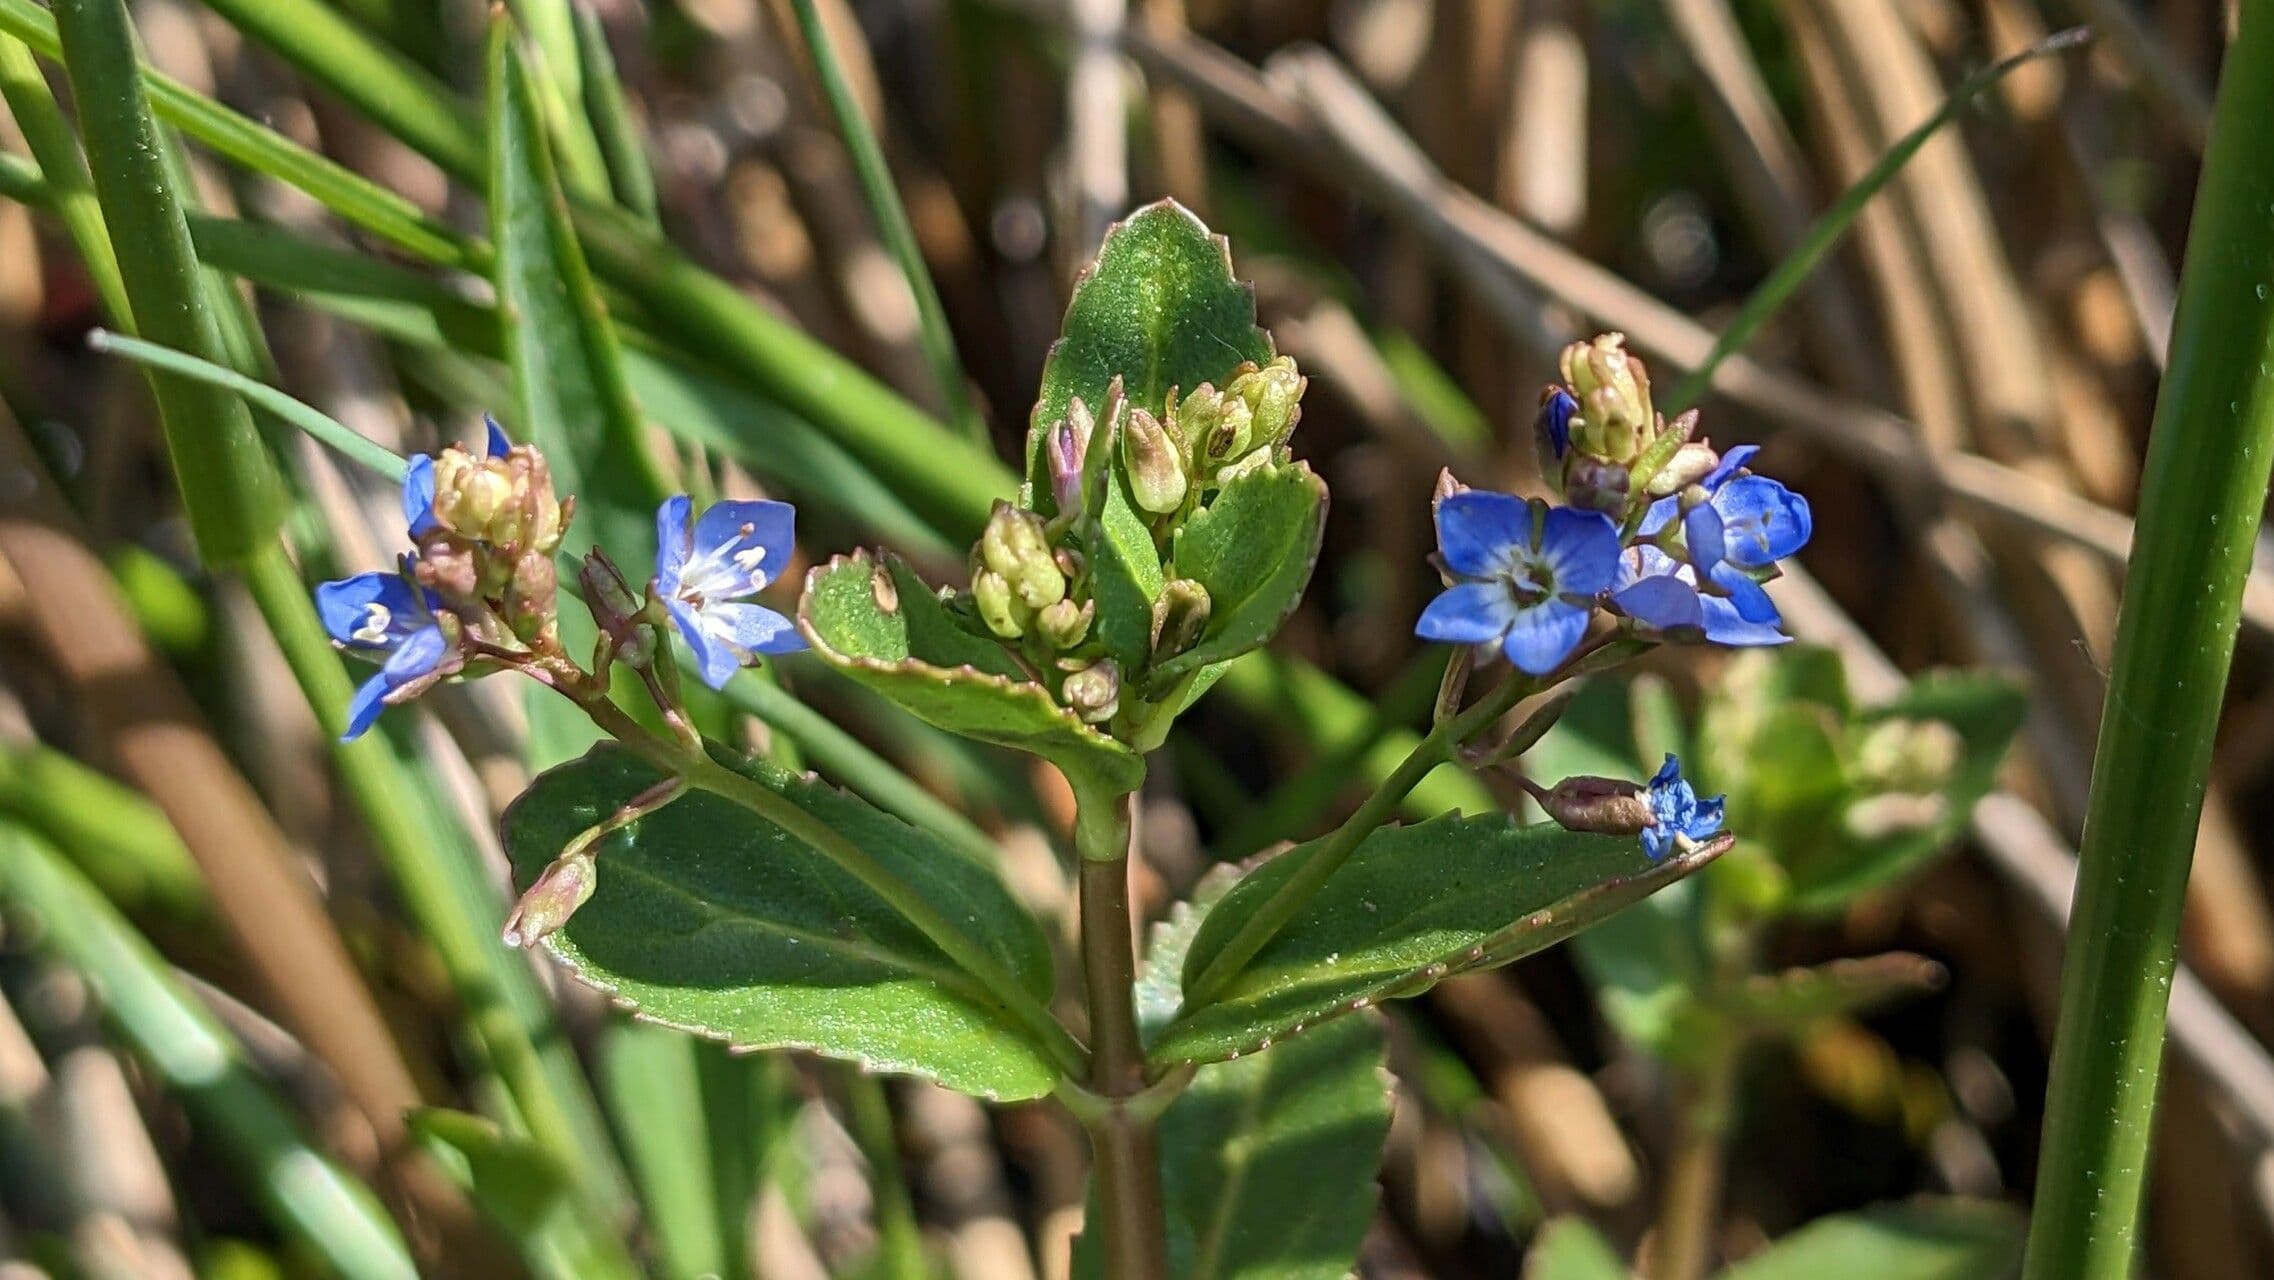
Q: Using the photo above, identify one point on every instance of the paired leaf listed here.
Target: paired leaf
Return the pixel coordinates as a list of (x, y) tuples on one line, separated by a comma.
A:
[(876, 621), (1267, 1164), (1160, 308), (1253, 548), (1920, 1240), (715, 921), (1413, 906)]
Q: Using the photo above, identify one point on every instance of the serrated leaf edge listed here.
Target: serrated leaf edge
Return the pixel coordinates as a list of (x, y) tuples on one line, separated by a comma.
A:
[(1534, 932), (1177, 667), (962, 673), (872, 1064)]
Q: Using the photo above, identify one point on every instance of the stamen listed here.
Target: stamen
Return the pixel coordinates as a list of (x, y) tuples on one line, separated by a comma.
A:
[(376, 619)]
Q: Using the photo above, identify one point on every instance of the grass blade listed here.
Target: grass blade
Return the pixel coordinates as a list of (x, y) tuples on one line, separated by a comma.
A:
[(228, 483), (2201, 495), (70, 194), (891, 220), (621, 148), (327, 1210)]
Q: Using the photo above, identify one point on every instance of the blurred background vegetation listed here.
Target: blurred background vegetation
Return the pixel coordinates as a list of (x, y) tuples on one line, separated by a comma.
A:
[(234, 958)]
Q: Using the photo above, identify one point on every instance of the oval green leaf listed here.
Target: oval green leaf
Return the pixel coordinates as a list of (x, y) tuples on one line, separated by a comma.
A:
[(876, 621), (717, 922), (1413, 906), (1160, 308), (1252, 547)]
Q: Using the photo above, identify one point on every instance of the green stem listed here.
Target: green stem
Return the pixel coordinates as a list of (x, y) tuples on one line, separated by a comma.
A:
[(1330, 853), (71, 196), (2202, 494), (508, 1014), (868, 1117), (891, 220), (1682, 1245), (1132, 1231), (701, 771)]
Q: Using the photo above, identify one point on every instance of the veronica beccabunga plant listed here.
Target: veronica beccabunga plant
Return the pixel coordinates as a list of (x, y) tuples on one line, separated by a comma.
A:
[(1166, 528)]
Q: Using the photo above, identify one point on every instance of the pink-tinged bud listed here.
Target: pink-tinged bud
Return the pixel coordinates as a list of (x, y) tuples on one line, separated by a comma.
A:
[(562, 888), (1064, 447), (1604, 806), (1154, 463), (1447, 486), (1064, 624), (1179, 616), (1691, 463), (1591, 483), (531, 597)]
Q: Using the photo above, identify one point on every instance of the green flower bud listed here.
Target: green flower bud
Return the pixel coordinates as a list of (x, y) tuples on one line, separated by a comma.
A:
[(1616, 419), (1178, 617), (1154, 462), (1273, 395), (1064, 625), (1094, 692), (1017, 546), (998, 608)]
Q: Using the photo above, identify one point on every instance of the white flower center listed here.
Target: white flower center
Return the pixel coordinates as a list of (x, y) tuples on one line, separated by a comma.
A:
[(376, 619)]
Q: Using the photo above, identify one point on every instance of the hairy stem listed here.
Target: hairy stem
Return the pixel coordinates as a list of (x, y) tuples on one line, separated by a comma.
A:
[(1133, 1230)]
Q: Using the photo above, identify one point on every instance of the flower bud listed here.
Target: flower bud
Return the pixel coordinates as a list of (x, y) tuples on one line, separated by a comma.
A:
[(1447, 486), (1551, 431), (531, 596), (1154, 462), (1064, 447), (1273, 395), (1179, 617), (1094, 692), (1596, 485), (1064, 625), (1017, 546), (1613, 390), (991, 593), (1604, 806), (563, 887), (1690, 464)]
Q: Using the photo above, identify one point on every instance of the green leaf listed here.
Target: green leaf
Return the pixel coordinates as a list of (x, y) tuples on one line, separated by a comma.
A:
[(880, 624), (568, 373), (1570, 1249), (1920, 1240), (526, 1193), (1125, 573), (1267, 1163), (614, 126), (1253, 548), (1413, 906), (1986, 709), (1159, 308), (714, 921)]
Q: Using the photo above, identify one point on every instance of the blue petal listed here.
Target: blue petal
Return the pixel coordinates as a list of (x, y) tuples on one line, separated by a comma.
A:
[(1544, 635), (1478, 531), (1662, 602), (1660, 514), (1657, 842), (416, 656), (345, 606), (1706, 822), (1468, 613), (1701, 532), (498, 445), (1729, 465), (1745, 595), (1556, 410), (716, 569), (672, 541), (752, 627), (1581, 549), (1669, 773), (1724, 625), (363, 711), (418, 495), (715, 662), (1762, 521)]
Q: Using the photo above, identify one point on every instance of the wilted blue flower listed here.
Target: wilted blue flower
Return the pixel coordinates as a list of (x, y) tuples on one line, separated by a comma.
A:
[(1679, 818), (381, 616), (704, 570), (1553, 426), (418, 481), (1526, 577)]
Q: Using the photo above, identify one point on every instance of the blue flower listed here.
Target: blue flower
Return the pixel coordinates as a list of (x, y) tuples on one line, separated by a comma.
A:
[(1526, 579), (418, 482), (1679, 818), (382, 616), (704, 570), (1748, 520), (1557, 406), (1662, 594)]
